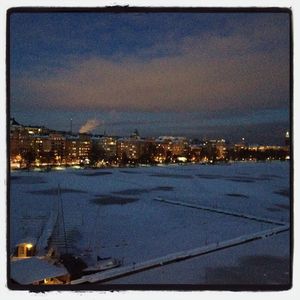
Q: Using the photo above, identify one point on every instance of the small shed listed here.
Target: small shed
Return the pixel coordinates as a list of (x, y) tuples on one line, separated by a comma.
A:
[(37, 270), (25, 248)]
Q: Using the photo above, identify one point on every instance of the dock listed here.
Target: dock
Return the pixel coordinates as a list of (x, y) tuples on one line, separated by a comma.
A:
[(177, 256)]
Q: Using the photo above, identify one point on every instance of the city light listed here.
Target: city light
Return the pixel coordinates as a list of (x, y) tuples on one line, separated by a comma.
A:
[(47, 148)]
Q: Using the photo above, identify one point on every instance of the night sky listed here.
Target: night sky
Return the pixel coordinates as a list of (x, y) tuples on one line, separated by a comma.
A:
[(202, 75)]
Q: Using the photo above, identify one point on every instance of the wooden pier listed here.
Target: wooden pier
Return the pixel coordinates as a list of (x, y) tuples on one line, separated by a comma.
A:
[(177, 256)]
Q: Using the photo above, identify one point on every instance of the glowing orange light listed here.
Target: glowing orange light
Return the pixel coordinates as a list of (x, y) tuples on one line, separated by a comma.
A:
[(29, 246)]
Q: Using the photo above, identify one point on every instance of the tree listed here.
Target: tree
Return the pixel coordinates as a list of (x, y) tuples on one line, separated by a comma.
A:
[(124, 159), (97, 153), (148, 154), (205, 153), (48, 157), (168, 156), (29, 157)]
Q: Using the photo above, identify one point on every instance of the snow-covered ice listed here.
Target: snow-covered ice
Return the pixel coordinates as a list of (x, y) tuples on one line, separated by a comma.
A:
[(113, 212)]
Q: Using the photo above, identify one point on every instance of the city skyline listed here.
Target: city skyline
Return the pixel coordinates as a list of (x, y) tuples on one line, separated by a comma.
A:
[(32, 146), (197, 74), (89, 128)]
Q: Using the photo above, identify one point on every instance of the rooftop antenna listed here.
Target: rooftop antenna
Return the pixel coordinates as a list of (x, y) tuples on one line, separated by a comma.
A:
[(71, 125)]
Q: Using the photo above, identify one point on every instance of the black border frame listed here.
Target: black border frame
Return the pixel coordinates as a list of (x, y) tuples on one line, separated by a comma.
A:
[(162, 287)]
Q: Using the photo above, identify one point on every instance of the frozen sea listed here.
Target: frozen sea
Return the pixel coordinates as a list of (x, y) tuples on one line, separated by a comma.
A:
[(115, 212)]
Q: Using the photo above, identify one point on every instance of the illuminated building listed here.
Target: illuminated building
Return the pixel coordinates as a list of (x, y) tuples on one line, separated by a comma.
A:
[(214, 150), (33, 130), (130, 147), (84, 147), (266, 148), (195, 152), (72, 153), (38, 146), (241, 145), (19, 147), (169, 145), (41, 146), (221, 149), (109, 145), (180, 146), (58, 146), (19, 142)]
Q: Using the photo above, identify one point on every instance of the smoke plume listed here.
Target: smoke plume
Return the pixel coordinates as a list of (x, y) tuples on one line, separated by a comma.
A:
[(89, 126)]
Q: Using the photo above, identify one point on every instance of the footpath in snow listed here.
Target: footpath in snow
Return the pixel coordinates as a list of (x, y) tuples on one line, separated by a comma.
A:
[(222, 211)]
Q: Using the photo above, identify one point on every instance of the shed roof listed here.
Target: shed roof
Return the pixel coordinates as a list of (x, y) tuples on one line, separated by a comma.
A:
[(29, 270)]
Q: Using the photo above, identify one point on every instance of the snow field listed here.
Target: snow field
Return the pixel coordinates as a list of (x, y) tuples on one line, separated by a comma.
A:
[(142, 229)]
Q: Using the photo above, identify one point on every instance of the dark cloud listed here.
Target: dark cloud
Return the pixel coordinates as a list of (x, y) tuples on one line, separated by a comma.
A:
[(213, 73)]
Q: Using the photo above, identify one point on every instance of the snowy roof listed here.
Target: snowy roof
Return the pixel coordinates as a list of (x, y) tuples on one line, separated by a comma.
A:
[(72, 137), (166, 138), (27, 240), (129, 139), (95, 138), (42, 136), (171, 138), (29, 270)]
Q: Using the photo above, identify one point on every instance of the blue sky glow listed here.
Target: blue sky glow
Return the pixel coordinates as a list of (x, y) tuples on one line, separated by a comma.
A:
[(212, 72)]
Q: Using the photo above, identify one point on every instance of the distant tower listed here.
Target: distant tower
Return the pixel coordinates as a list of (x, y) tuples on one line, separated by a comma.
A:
[(71, 125), (243, 142), (135, 134), (287, 138)]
